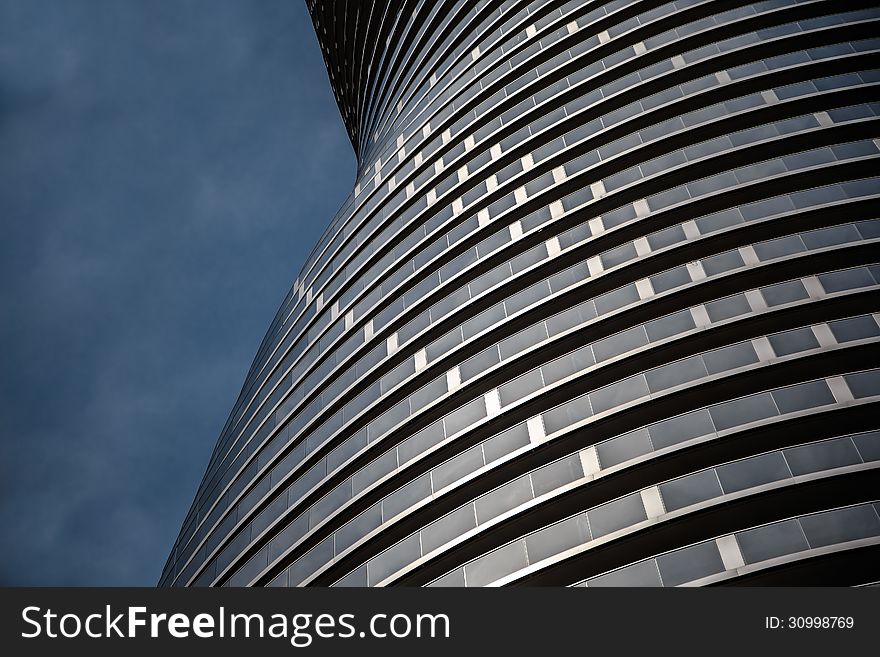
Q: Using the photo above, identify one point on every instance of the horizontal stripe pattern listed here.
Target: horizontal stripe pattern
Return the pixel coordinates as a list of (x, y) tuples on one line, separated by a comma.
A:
[(571, 222)]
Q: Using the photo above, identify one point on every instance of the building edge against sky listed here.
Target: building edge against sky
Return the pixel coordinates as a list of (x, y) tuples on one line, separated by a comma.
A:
[(602, 308)]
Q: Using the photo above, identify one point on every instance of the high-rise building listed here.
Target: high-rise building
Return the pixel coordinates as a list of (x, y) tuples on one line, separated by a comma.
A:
[(602, 308)]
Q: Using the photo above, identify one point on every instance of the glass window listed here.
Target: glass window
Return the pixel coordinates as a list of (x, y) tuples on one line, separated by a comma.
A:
[(393, 559), (403, 498), (465, 416), (771, 541), (786, 292), (358, 527), (662, 163), (728, 307), (557, 474), (847, 279), (503, 499), (804, 395), (669, 197), (457, 467), (348, 448), (618, 255), (420, 442), (493, 242), (831, 236), (742, 411), (449, 303), (570, 318), (868, 445), (869, 229), (452, 579), (673, 374), (568, 277), (616, 299), (690, 563), (329, 503), (557, 538), (288, 536), (523, 340), (794, 341), (780, 247), (268, 515), (619, 393), (643, 573), (527, 297), (821, 456), (731, 357), (448, 527), (666, 237), (535, 219), (671, 279), (720, 220), (576, 199), (428, 393), (509, 171), (525, 260), (616, 515), (310, 562), (840, 525), (520, 387), (767, 207), (497, 564), (692, 489), (678, 429), (618, 216), (443, 344), (623, 448), (864, 384), (674, 324), (760, 170), (574, 236), (356, 578), (504, 443), (374, 471), (854, 328), (751, 472), (488, 317), (567, 414), (620, 343), (535, 185), (479, 363), (722, 262), (576, 361)]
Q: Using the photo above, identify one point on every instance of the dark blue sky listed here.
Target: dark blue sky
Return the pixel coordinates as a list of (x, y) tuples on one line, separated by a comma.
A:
[(165, 167)]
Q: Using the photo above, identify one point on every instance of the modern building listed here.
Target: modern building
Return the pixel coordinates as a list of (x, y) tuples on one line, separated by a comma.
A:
[(602, 308)]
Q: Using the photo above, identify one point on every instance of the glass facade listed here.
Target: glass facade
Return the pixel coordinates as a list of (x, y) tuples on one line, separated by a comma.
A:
[(602, 309)]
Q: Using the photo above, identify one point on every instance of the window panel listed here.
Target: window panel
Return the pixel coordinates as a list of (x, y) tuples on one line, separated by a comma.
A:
[(503, 499), (497, 564), (689, 490), (448, 528), (690, 563), (771, 541), (557, 538), (821, 456), (840, 525), (616, 515), (742, 411), (755, 471), (643, 573)]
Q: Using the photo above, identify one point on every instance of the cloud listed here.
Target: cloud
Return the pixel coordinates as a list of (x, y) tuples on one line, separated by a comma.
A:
[(164, 168)]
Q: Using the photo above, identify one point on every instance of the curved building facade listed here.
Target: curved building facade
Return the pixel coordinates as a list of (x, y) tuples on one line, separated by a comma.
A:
[(602, 308)]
